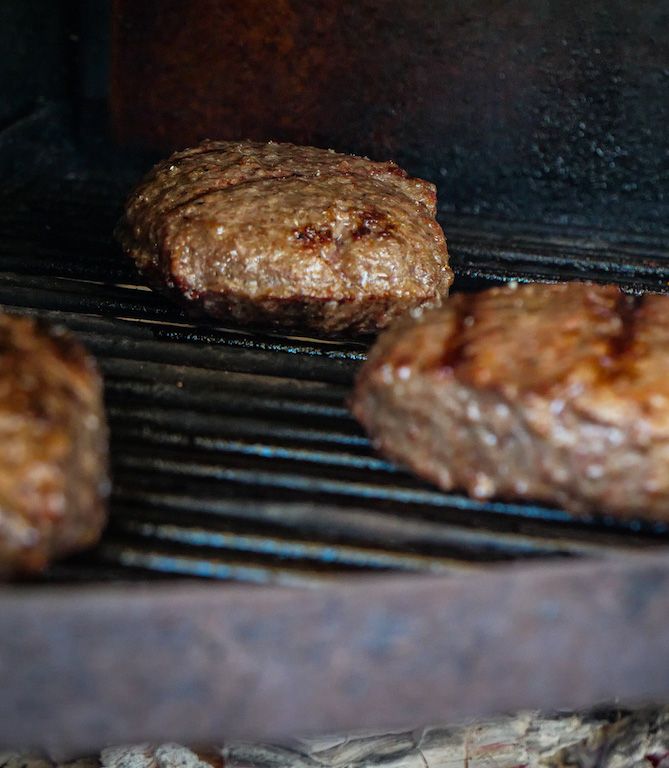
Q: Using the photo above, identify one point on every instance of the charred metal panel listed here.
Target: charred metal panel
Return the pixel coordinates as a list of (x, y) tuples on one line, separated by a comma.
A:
[(544, 110)]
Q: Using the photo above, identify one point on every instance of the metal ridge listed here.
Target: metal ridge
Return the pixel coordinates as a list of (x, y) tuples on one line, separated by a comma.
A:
[(372, 652)]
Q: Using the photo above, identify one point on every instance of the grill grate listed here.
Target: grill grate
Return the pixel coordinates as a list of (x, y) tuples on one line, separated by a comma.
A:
[(233, 454)]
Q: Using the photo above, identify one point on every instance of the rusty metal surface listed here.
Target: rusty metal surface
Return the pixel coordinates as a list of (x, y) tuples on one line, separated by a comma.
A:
[(526, 109), (83, 667)]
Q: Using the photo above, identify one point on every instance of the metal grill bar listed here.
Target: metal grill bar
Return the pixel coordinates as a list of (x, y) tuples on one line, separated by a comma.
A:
[(508, 251)]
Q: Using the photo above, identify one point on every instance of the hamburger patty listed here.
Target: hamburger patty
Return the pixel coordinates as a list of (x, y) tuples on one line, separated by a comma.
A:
[(557, 393), (293, 237), (53, 446)]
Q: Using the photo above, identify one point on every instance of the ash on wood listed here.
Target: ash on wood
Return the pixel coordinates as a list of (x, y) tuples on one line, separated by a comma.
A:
[(600, 738)]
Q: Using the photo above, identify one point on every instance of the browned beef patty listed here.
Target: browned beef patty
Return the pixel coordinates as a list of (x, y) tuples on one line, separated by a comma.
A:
[(293, 237), (557, 393), (53, 446)]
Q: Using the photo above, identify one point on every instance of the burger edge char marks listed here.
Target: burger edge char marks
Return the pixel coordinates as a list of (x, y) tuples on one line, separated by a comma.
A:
[(292, 237), (553, 393)]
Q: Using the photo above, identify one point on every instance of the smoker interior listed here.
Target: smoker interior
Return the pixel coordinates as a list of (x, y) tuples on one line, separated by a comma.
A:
[(235, 461), (234, 456)]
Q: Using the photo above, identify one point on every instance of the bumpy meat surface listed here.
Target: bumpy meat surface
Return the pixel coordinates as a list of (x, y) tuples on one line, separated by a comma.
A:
[(555, 393), (293, 237), (53, 446)]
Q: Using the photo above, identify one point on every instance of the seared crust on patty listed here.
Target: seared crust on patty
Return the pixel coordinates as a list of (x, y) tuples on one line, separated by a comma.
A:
[(556, 393), (293, 237), (53, 446)]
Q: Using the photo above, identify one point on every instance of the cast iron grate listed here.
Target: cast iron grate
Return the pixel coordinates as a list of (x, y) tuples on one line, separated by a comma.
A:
[(233, 454)]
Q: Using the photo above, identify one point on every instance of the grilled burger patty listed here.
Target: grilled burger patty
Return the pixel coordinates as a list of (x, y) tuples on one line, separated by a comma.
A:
[(53, 446), (293, 237), (557, 393)]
